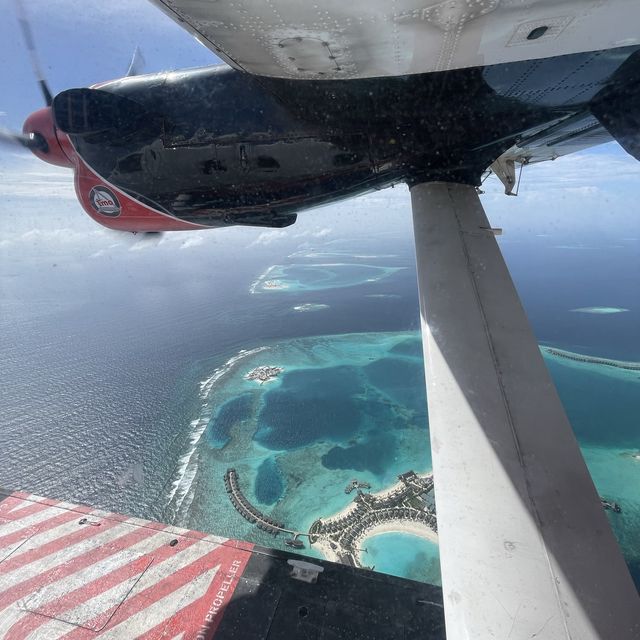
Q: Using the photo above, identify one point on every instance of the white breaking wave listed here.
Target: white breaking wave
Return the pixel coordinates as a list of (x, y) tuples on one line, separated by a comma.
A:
[(310, 306), (187, 466)]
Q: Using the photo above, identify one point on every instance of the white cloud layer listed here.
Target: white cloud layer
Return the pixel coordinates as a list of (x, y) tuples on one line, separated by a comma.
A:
[(273, 235), (269, 237)]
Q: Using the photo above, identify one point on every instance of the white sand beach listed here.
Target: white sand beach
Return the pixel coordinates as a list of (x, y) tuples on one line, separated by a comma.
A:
[(324, 545)]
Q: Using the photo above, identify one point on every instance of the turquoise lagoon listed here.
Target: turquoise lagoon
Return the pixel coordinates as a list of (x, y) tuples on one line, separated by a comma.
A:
[(345, 406), (403, 554), (353, 406)]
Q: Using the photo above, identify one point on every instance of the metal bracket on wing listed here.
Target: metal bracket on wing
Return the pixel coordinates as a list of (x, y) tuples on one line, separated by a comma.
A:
[(505, 169)]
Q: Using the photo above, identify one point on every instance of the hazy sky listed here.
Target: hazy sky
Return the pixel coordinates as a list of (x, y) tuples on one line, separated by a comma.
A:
[(81, 42), (589, 197)]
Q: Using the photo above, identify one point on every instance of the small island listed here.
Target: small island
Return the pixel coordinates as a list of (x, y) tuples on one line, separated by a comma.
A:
[(274, 284), (264, 374), (600, 310), (310, 306)]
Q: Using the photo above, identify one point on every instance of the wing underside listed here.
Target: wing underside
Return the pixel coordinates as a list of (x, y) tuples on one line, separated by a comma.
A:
[(334, 39)]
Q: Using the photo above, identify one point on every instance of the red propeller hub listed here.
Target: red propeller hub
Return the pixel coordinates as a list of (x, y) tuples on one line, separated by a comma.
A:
[(55, 147)]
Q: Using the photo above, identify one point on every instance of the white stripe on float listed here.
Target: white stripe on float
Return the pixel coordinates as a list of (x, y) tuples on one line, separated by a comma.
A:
[(10, 526), (57, 629), (101, 606), (43, 538), (26, 501), (84, 576), (71, 506), (36, 567), (25, 543), (10, 616), (12, 520), (145, 619), (5, 552), (96, 605), (38, 540)]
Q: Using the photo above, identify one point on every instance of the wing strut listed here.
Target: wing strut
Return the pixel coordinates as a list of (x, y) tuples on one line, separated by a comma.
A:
[(526, 549)]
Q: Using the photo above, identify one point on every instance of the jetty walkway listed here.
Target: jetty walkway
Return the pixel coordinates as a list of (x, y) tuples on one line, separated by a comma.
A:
[(579, 357), (356, 484), (247, 510)]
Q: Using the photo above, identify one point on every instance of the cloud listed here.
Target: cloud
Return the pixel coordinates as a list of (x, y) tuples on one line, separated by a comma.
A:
[(605, 167), (64, 236), (320, 233), (269, 237), (30, 178), (143, 241), (193, 241), (273, 235), (587, 194)]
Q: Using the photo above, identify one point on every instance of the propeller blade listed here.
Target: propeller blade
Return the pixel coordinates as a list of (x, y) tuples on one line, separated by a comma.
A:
[(136, 66), (31, 141), (33, 54)]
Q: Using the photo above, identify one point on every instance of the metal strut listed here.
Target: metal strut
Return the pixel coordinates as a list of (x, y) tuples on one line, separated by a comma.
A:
[(526, 550)]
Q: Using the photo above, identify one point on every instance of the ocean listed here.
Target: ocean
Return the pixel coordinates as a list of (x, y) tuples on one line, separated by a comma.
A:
[(124, 388)]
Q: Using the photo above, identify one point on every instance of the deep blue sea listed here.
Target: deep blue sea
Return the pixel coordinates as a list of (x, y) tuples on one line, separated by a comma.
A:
[(103, 357), (123, 379)]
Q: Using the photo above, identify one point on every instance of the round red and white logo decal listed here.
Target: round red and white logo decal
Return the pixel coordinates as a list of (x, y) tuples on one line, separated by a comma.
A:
[(104, 201)]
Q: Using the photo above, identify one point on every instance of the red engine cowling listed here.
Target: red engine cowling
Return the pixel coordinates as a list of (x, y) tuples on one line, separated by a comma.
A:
[(113, 208), (59, 149), (105, 203)]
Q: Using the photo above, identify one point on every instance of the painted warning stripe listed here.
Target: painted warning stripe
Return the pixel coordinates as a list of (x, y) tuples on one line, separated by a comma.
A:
[(143, 599), (58, 569), (202, 618), (30, 623), (114, 578), (20, 499), (161, 562), (43, 544), (155, 616), (27, 518), (60, 561), (18, 509), (62, 517), (91, 589)]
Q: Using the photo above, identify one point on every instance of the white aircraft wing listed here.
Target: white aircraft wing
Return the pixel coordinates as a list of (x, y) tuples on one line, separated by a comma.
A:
[(374, 38)]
